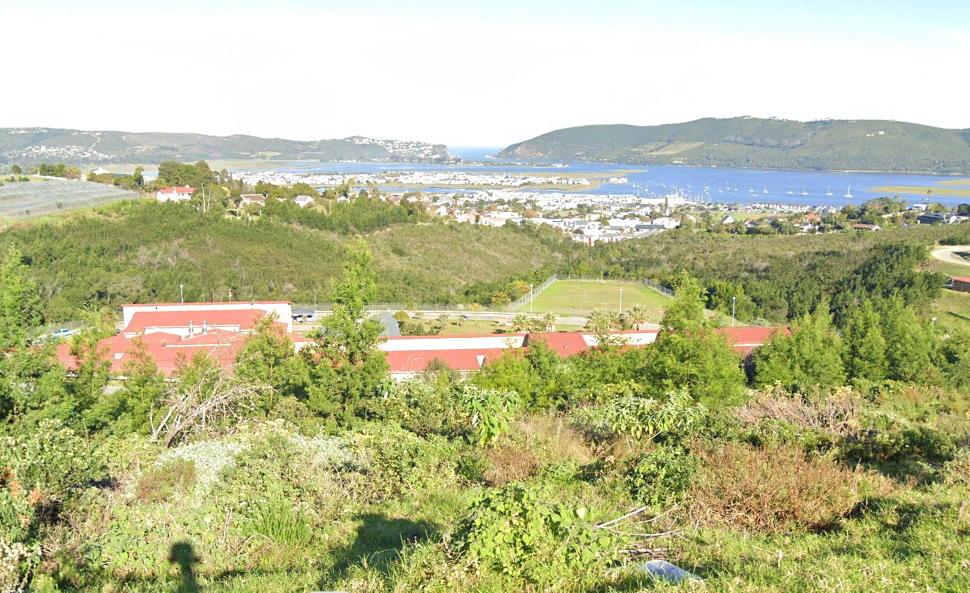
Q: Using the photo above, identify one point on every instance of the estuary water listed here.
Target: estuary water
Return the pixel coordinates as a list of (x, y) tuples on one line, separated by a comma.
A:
[(715, 184)]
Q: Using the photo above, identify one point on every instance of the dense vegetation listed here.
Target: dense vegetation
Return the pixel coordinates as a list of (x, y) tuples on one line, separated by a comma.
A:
[(779, 277), (144, 251), (760, 143), (312, 471)]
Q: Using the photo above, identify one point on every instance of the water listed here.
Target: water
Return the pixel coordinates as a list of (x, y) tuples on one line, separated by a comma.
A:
[(724, 185)]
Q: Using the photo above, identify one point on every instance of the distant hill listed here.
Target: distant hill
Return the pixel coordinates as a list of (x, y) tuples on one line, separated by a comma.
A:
[(26, 145), (760, 143)]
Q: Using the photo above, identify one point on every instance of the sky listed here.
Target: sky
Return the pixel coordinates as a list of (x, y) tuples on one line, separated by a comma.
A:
[(486, 73)]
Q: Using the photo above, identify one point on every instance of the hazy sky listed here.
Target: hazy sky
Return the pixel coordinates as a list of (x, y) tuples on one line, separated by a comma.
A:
[(486, 73)]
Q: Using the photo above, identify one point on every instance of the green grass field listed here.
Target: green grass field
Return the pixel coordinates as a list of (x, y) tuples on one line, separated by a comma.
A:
[(952, 309), (583, 296)]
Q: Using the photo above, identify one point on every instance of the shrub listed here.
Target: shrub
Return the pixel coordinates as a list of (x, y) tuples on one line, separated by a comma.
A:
[(518, 531), (642, 418), (277, 522), (159, 483), (772, 490), (396, 461), (957, 471), (660, 477), (507, 463), (426, 406), (491, 411), (51, 459)]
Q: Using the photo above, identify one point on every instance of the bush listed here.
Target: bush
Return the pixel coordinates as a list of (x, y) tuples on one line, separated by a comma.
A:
[(277, 522), (491, 411), (643, 419), (508, 463), (159, 483), (772, 490), (397, 462), (661, 477), (425, 406), (518, 531), (51, 459)]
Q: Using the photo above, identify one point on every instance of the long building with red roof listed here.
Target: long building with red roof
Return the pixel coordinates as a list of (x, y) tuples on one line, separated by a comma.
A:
[(173, 333)]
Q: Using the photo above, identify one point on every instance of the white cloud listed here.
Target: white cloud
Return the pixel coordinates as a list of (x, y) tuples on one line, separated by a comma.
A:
[(321, 75)]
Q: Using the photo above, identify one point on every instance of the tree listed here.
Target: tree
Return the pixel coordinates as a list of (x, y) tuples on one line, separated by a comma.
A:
[(810, 357), (637, 316), (865, 346), (690, 354), (139, 176), (19, 302), (910, 345), (129, 409), (269, 357), (16, 169), (348, 374)]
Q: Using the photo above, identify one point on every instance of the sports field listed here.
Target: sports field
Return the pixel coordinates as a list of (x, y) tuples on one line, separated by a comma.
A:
[(580, 297)]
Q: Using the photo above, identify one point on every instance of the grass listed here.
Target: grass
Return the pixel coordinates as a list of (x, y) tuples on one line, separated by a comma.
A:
[(583, 296), (952, 309), (948, 268)]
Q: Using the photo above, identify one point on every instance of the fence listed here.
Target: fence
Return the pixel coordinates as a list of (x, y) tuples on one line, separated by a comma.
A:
[(527, 298)]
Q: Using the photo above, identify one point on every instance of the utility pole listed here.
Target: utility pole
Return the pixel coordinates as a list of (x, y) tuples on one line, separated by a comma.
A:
[(181, 295), (621, 300), (532, 296), (734, 301)]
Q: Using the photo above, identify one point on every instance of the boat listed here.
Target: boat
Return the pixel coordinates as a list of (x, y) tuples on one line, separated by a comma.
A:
[(765, 190), (804, 192), (848, 192), (829, 192)]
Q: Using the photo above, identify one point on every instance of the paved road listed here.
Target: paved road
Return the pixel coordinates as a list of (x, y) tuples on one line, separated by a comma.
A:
[(949, 254)]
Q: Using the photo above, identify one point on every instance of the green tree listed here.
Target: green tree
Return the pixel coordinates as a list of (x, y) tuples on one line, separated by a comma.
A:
[(139, 176), (19, 302), (691, 355), (865, 346), (810, 357), (910, 344), (269, 357), (348, 373), (129, 409)]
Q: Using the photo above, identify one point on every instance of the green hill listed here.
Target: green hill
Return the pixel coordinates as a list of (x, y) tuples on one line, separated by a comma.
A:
[(26, 145), (142, 251), (760, 143)]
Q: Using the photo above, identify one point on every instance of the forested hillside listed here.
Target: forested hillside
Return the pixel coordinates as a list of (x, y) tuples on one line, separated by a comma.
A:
[(143, 251), (760, 143)]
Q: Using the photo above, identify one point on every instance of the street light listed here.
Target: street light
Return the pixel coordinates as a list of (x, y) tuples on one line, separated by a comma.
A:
[(181, 296), (734, 301)]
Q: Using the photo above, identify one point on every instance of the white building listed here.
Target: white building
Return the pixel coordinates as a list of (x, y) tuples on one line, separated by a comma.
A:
[(175, 194), (303, 201)]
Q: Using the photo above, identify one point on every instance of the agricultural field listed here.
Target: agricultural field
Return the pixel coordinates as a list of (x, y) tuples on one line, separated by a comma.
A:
[(28, 199), (581, 297)]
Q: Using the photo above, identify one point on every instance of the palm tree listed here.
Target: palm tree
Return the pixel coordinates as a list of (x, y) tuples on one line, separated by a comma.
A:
[(548, 322), (637, 316), (521, 323)]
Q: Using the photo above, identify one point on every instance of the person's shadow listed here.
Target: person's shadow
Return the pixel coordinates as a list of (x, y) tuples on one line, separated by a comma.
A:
[(378, 543), (181, 553)]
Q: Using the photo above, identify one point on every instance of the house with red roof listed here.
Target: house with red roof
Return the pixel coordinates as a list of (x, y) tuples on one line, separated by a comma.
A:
[(960, 283), (181, 193)]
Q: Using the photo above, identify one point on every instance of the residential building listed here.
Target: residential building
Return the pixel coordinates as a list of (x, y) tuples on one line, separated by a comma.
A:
[(181, 193), (247, 199), (303, 200)]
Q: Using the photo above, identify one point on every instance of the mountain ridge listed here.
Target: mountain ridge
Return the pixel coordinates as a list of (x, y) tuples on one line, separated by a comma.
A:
[(36, 144), (767, 143)]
